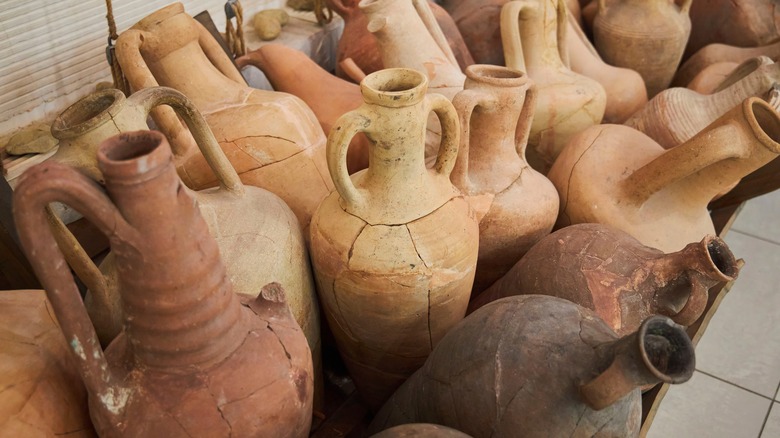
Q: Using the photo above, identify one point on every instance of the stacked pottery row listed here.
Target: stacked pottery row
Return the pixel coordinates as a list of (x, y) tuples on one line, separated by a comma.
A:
[(204, 318)]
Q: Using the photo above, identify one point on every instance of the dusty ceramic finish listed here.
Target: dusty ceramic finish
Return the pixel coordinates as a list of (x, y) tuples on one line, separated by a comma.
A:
[(408, 36), (272, 139), (717, 53), (41, 390), (420, 430), (615, 175), (625, 33), (677, 114), (717, 77), (625, 88), (534, 35), (478, 21), (744, 23), (570, 376), (329, 97), (394, 271), (244, 369), (516, 205), (606, 270)]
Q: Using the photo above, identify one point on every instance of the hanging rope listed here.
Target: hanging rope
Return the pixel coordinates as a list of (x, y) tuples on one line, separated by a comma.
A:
[(120, 82), (323, 12), (235, 36)]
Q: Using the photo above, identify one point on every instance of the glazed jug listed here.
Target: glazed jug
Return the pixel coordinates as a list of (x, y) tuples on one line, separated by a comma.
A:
[(272, 139), (243, 369), (615, 175), (719, 76), (329, 97), (516, 205), (534, 37), (743, 23), (647, 36), (543, 366), (421, 430), (624, 88), (677, 114), (408, 36), (716, 53), (394, 248), (606, 270), (42, 393), (249, 224)]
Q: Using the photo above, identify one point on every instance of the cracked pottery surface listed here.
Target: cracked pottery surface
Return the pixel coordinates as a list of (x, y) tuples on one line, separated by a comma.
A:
[(515, 204), (541, 365), (192, 359), (395, 247), (41, 390), (606, 270), (272, 139), (615, 175)]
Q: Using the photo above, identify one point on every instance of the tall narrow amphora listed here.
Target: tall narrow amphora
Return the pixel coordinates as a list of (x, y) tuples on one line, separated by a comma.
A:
[(394, 249), (515, 204), (192, 360)]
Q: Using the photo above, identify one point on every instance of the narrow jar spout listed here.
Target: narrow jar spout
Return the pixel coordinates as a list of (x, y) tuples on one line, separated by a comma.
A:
[(660, 351)]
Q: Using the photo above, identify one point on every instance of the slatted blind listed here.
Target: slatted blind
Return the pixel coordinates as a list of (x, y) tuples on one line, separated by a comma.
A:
[(52, 52)]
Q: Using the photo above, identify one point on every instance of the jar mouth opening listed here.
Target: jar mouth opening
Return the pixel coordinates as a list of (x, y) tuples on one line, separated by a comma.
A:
[(496, 75), (394, 87), (666, 349), (765, 121), (87, 114), (133, 155)]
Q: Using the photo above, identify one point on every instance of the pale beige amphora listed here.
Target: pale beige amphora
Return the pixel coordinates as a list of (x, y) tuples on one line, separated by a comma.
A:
[(533, 33), (394, 249), (272, 139), (516, 205), (614, 175)]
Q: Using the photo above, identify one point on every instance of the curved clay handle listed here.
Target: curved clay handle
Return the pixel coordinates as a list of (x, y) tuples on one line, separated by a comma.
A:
[(510, 33), (465, 102), (694, 307), (561, 20), (39, 186), (523, 129), (351, 69), (448, 118), (149, 98), (429, 20), (685, 7), (602, 5), (346, 127), (217, 56)]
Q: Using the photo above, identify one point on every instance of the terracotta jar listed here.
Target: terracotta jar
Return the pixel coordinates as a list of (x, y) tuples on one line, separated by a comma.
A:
[(420, 430), (272, 139), (626, 32), (543, 366), (745, 23), (625, 88), (719, 76), (716, 53), (615, 175), (394, 249), (478, 21), (42, 393), (516, 205), (534, 36), (359, 45), (243, 369), (250, 224), (407, 36), (329, 97), (677, 114), (624, 282)]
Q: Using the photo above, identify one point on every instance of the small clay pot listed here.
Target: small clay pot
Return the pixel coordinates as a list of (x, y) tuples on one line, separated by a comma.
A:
[(624, 282), (542, 367)]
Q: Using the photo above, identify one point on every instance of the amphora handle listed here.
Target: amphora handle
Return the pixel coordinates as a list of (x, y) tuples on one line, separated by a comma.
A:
[(510, 33), (429, 20)]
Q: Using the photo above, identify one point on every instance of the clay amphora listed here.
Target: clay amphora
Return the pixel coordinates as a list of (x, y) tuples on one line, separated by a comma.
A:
[(677, 114), (42, 393), (250, 224), (624, 282), (539, 366), (329, 97), (421, 430), (719, 76), (516, 205), (625, 88), (408, 36), (743, 23), (625, 33), (272, 139), (478, 21), (534, 37), (359, 45), (394, 249), (241, 369), (715, 53), (615, 175)]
